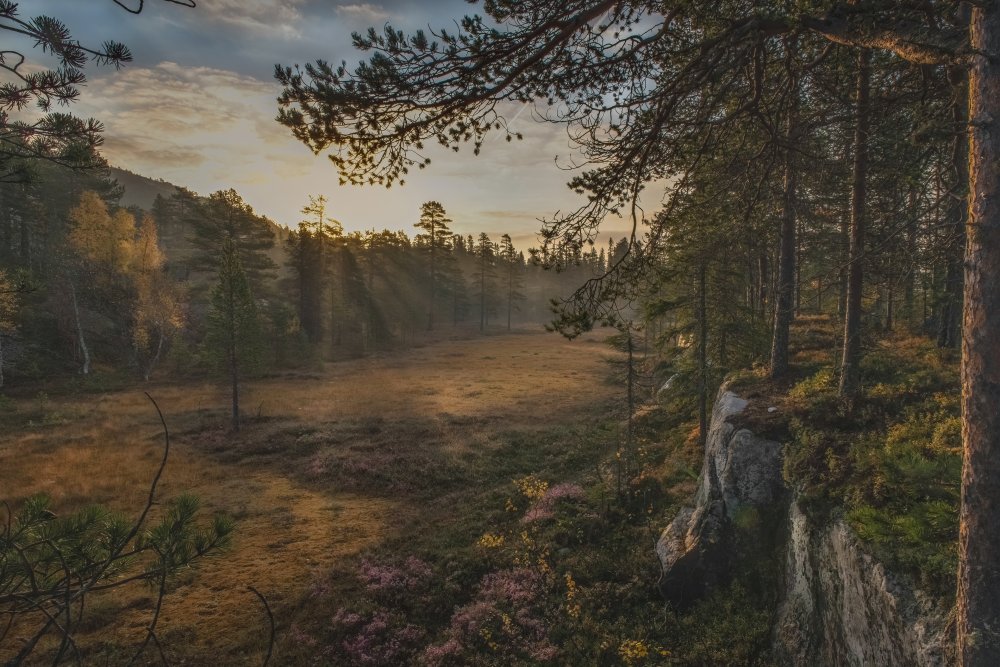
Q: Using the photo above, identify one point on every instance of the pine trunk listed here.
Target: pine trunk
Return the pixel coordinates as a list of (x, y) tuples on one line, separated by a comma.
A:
[(702, 355), (233, 362), (81, 341), (979, 519), (849, 368), (909, 286), (786, 257), (949, 331)]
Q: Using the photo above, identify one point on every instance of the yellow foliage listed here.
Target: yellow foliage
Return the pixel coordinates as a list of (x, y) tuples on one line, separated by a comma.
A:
[(633, 651), (572, 606), (104, 241), (491, 541), (531, 487)]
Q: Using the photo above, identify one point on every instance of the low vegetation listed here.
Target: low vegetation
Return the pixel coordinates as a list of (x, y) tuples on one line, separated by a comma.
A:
[(890, 463)]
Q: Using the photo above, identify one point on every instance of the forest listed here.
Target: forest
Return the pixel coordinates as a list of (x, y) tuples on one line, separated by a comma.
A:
[(758, 429), (95, 281)]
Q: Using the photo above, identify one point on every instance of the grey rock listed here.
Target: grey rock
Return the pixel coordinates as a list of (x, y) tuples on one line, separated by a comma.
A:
[(740, 470), (839, 605), (842, 607)]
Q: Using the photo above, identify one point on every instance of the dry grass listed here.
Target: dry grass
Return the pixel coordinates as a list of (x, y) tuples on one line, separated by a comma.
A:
[(421, 413)]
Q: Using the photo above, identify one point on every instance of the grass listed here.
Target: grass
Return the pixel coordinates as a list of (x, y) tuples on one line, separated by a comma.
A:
[(365, 456), (891, 463), (456, 505)]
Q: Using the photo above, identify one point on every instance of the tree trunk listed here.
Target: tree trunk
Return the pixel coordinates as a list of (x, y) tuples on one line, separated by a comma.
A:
[(949, 330), (430, 303), (890, 307), (702, 356), (978, 621), (1, 358), (845, 236), (798, 268), (909, 285), (763, 280), (482, 298), (234, 377), (81, 341), (849, 368), (785, 293), (233, 361), (155, 359)]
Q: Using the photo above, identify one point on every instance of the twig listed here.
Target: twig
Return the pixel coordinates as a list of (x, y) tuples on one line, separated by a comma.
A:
[(270, 620)]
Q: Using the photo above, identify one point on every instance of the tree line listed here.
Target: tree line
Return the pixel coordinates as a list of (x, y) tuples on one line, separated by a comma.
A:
[(199, 282)]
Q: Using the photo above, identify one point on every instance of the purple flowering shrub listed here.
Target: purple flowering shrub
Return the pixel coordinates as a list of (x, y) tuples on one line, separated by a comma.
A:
[(510, 603), (561, 496), (507, 622)]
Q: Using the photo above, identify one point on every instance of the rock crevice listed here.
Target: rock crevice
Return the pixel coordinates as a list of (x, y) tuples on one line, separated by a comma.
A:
[(839, 606)]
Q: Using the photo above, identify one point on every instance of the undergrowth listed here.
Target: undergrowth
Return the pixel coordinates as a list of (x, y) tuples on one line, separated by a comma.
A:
[(890, 463), (544, 565)]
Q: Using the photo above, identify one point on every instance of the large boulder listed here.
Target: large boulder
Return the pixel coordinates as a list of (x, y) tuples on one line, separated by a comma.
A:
[(740, 470)]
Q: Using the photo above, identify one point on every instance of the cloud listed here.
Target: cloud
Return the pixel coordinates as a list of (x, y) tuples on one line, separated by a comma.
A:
[(132, 149), (189, 122), (257, 15), (364, 12)]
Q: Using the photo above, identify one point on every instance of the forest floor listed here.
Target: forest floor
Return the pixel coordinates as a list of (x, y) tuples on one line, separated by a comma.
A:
[(361, 456)]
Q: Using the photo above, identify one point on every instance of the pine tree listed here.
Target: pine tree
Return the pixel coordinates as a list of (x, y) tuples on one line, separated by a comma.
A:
[(512, 266), (485, 252), (436, 241), (234, 335), (224, 216)]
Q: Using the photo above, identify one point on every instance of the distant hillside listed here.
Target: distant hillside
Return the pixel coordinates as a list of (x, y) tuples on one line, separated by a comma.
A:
[(175, 238), (139, 190)]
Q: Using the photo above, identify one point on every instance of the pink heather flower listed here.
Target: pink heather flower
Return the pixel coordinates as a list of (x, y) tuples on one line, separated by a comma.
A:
[(316, 466), (473, 616), (545, 507), (544, 652), (301, 637), (436, 656), (381, 577), (346, 618), (519, 586), (379, 642)]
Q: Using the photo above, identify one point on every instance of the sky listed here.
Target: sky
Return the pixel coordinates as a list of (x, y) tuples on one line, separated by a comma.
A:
[(196, 107)]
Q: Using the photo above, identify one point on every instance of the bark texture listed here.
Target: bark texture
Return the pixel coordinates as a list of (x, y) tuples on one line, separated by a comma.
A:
[(979, 533), (849, 368), (787, 259)]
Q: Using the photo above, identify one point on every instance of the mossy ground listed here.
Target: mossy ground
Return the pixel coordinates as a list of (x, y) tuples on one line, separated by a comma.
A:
[(890, 461)]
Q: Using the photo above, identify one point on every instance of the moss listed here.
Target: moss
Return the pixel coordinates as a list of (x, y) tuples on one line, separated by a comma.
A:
[(892, 463)]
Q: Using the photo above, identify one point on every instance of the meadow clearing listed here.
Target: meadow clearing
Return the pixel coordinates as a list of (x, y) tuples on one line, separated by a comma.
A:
[(408, 450)]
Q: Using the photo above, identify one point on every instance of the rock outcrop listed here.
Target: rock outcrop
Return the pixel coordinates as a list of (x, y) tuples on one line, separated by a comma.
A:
[(839, 606), (740, 470)]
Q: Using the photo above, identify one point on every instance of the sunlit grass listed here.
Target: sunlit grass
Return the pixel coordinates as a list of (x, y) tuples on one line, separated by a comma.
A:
[(330, 464)]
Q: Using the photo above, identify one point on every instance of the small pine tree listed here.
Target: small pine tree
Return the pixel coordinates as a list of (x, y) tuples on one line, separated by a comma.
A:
[(234, 334)]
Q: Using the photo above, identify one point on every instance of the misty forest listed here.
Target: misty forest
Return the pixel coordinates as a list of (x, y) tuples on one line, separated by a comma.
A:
[(309, 356)]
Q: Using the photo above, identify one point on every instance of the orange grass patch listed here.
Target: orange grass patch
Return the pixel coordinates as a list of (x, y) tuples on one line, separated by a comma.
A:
[(105, 449)]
